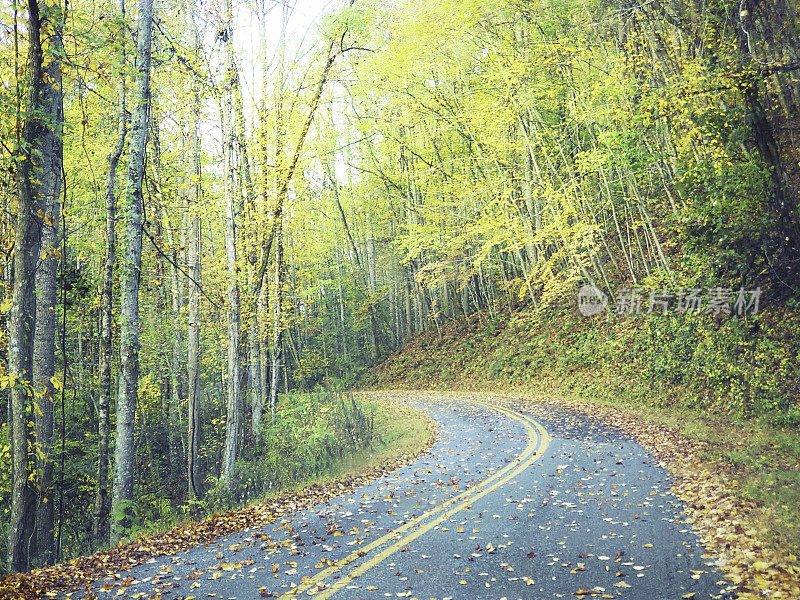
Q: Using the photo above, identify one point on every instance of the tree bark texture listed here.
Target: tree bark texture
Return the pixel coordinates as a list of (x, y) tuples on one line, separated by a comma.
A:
[(123, 498), (38, 174)]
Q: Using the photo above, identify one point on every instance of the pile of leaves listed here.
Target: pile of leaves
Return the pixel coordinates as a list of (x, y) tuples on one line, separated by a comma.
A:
[(82, 571)]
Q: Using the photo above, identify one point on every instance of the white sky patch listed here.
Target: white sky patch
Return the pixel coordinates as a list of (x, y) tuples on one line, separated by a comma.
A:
[(258, 33)]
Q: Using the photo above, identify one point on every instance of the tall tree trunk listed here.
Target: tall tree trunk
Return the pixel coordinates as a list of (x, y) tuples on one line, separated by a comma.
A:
[(234, 365), (263, 345), (169, 370), (102, 503), (38, 175), (244, 175), (176, 368), (194, 193), (129, 282), (254, 365), (44, 343), (193, 365), (231, 200), (277, 328)]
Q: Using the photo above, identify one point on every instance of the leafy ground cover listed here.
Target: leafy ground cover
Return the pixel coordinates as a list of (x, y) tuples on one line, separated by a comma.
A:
[(716, 400), (399, 435)]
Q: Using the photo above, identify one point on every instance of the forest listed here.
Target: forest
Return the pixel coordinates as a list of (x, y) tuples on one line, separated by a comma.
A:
[(219, 215)]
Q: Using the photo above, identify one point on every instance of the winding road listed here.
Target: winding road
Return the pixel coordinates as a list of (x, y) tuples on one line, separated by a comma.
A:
[(514, 501)]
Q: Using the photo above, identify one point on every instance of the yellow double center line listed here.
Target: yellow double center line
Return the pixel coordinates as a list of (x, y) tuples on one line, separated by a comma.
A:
[(538, 441)]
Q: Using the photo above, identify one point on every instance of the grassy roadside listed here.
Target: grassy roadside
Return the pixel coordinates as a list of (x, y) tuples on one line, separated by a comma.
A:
[(618, 366), (315, 438), (402, 434)]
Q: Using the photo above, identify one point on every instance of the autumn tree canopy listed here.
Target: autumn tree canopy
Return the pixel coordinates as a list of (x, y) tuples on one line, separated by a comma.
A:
[(206, 207)]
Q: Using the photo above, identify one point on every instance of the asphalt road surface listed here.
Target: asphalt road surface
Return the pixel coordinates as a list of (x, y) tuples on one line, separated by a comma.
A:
[(506, 505)]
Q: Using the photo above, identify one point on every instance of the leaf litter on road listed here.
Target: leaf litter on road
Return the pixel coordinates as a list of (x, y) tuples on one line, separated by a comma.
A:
[(81, 572)]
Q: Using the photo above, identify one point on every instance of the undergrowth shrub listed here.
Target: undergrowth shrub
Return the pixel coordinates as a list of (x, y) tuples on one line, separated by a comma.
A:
[(310, 435)]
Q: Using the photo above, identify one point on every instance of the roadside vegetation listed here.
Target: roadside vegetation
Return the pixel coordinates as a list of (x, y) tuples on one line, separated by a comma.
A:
[(339, 443)]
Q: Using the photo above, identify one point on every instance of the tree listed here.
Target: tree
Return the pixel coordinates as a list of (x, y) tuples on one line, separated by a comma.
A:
[(38, 176), (44, 342), (123, 496), (231, 201), (102, 508), (194, 196), (276, 351)]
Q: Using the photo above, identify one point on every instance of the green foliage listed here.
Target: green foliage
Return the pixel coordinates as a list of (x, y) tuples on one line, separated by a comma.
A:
[(309, 437), (727, 219)]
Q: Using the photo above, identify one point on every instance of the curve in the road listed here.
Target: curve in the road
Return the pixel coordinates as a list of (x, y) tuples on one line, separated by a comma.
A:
[(538, 441), (515, 500)]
